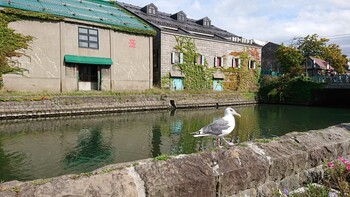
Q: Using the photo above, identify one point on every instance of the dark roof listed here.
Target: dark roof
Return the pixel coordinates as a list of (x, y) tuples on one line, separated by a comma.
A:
[(167, 22), (321, 64)]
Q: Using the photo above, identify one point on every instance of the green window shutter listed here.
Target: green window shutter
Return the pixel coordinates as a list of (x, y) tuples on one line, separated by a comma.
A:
[(221, 61), (239, 63), (202, 60), (181, 58), (215, 60)]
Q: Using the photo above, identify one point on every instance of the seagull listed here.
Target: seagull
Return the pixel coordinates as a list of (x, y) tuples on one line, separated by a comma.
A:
[(220, 128)]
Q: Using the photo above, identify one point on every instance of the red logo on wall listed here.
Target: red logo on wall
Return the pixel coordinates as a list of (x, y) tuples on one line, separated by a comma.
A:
[(132, 43)]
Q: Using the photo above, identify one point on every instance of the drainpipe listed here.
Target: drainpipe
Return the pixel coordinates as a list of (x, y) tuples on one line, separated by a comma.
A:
[(98, 77), (77, 75)]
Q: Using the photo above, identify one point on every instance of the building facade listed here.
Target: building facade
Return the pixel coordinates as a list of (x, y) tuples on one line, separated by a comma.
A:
[(96, 46), (318, 67), (269, 62), (216, 47)]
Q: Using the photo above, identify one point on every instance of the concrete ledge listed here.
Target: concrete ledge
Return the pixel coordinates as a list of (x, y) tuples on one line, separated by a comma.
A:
[(82, 105), (254, 169)]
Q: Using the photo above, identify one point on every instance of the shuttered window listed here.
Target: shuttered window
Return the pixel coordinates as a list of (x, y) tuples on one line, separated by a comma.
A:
[(236, 63), (177, 58), (218, 62), (200, 60)]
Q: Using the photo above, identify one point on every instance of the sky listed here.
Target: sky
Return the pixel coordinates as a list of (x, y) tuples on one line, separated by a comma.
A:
[(277, 21)]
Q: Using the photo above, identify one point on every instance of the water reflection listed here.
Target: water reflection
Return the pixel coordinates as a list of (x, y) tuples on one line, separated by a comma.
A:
[(156, 142), (90, 152), (47, 148)]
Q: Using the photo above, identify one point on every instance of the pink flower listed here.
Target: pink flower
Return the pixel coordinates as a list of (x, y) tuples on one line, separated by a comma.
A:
[(340, 158), (347, 167), (345, 161), (330, 164)]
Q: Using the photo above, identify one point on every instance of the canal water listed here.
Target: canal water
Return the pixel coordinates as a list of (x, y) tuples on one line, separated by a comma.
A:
[(32, 149)]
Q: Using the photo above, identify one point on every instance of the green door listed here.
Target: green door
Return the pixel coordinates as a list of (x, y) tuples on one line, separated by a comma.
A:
[(176, 84), (217, 85)]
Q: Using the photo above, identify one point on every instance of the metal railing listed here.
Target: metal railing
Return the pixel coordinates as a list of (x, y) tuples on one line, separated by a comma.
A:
[(331, 79)]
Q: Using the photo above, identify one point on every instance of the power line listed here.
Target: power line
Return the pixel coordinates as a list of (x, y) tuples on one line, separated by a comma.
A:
[(337, 36)]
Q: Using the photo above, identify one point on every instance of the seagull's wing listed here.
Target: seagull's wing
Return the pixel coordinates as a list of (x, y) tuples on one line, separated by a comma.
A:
[(215, 128)]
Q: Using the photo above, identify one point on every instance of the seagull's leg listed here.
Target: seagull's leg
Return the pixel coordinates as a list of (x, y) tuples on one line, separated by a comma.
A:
[(218, 142), (227, 142)]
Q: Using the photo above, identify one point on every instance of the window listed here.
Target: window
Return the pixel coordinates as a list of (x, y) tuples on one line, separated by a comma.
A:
[(251, 64), (88, 38), (177, 58), (236, 63), (182, 17), (200, 60), (218, 62), (206, 23), (152, 10)]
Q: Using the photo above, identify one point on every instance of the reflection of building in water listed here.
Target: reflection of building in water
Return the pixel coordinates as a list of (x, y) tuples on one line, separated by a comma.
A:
[(156, 141), (175, 132), (176, 127), (90, 152)]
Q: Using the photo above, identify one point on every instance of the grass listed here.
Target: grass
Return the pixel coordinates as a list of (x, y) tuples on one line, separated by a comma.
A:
[(162, 157), (40, 181)]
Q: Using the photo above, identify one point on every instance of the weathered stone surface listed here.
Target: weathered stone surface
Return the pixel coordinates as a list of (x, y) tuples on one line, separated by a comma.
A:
[(112, 180), (257, 169), (240, 169), (190, 175)]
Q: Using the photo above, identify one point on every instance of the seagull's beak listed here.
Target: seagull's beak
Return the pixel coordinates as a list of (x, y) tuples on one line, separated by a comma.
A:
[(237, 114)]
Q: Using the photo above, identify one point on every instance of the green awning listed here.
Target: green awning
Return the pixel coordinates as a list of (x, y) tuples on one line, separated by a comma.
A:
[(87, 60)]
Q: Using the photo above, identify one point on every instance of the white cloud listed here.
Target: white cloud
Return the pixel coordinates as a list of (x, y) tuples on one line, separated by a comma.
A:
[(267, 20)]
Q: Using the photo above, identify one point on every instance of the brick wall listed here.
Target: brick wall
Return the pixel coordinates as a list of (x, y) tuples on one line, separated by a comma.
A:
[(207, 47)]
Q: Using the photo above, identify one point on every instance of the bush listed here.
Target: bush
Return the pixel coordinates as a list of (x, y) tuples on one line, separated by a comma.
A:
[(285, 89), (337, 175)]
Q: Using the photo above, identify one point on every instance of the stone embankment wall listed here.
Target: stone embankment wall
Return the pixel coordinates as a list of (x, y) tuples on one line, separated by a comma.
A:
[(78, 105), (254, 169)]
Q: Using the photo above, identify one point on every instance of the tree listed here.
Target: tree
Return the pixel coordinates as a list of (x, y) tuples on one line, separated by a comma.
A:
[(333, 55), (312, 46), (291, 60), (317, 47)]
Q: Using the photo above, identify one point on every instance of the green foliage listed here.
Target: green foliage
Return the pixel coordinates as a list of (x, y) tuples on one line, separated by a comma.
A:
[(287, 90), (197, 76), (337, 175), (241, 79), (133, 30), (312, 46), (20, 14), (290, 60), (10, 44), (317, 47), (162, 157), (333, 55)]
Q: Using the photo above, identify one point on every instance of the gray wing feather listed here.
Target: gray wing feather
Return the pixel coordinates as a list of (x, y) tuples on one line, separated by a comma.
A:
[(216, 127)]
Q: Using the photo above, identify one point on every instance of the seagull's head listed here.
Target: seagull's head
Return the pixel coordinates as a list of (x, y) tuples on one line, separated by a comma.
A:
[(230, 111)]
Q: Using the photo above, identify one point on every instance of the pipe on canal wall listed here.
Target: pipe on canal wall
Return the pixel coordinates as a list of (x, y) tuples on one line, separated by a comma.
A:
[(251, 169)]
